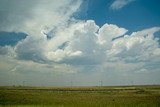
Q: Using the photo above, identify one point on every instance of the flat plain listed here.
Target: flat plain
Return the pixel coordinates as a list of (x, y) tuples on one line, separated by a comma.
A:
[(94, 96)]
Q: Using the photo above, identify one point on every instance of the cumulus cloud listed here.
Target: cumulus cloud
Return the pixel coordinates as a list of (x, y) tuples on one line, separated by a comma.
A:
[(139, 46), (31, 48), (109, 31), (118, 4), (85, 43), (5, 50)]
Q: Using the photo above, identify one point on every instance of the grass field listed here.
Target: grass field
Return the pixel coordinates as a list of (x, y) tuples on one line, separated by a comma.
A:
[(118, 96)]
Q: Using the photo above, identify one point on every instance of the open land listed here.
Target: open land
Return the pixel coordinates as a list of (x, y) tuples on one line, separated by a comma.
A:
[(95, 96)]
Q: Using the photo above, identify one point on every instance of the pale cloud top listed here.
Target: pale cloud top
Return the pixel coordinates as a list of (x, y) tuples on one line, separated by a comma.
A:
[(118, 4)]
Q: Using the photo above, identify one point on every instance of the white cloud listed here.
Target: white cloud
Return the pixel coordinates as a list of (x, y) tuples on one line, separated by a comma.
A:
[(81, 41), (86, 43), (7, 51), (109, 31), (33, 16), (139, 46), (31, 48), (118, 4), (77, 53)]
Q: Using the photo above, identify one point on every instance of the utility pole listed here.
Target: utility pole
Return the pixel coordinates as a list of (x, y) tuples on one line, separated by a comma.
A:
[(101, 83), (23, 83), (71, 83), (132, 82)]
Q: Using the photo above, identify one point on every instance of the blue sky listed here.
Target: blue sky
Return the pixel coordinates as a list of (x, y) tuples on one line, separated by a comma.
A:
[(137, 15), (84, 41), (11, 38)]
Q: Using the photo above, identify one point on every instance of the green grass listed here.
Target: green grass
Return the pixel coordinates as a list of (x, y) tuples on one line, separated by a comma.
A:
[(131, 96)]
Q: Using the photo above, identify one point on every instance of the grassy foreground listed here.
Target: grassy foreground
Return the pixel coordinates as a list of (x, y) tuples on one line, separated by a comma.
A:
[(119, 96)]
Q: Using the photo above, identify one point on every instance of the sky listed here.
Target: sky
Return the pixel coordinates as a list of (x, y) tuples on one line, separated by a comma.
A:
[(79, 42)]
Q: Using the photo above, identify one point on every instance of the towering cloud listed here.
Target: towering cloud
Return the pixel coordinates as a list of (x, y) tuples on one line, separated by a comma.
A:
[(84, 42)]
